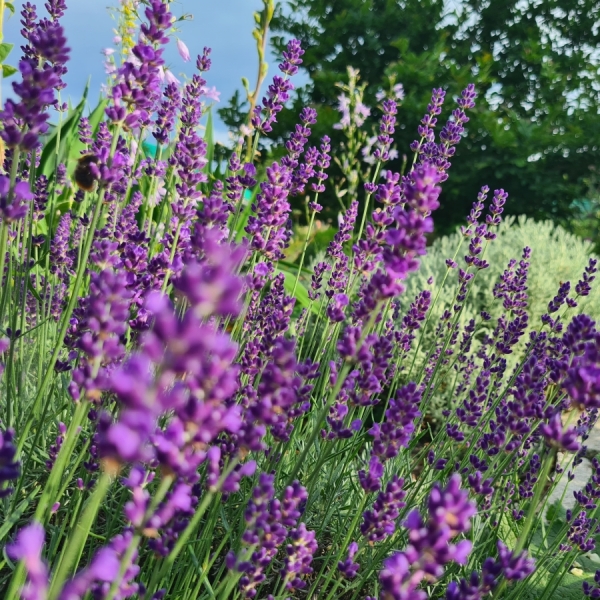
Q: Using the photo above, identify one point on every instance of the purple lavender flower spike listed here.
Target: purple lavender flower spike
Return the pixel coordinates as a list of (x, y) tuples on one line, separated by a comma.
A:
[(299, 556), (582, 382), (395, 579), (278, 91), (380, 522), (210, 286), (166, 114), (478, 586), (28, 549), (396, 430), (101, 572), (267, 522), (41, 70), (386, 131), (138, 81), (10, 468), (335, 310), (14, 207), (429, 121), (370, 480), (323, 161), (514, 568), (496, 208), (295, 145), (429, 543), (583, 286), (555, 435), (348, 568)]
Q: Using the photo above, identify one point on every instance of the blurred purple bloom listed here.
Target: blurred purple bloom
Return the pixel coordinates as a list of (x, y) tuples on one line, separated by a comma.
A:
[(28, 548), (583, 286), (211, 93), (592, 590), (582, 382), (429, 543), (514, 568), (14, 203), (478, 586)]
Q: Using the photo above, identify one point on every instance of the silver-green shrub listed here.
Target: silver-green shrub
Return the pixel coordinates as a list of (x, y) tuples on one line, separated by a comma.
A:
[(556, 256)]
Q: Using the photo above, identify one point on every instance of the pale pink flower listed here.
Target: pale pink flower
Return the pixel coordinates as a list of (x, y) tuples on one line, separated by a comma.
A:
[(212, 93), (183, 50)]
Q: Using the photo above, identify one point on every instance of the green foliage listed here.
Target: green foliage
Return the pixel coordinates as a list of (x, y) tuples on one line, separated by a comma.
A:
[(585, 220), (5, 49), (556, 256)]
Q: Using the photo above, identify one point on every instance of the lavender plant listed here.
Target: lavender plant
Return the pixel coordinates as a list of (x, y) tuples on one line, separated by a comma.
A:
[(175, 425)]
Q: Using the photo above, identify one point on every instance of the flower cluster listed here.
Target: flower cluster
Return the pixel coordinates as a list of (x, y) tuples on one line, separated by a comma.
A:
[(430, 543), (195, 399)]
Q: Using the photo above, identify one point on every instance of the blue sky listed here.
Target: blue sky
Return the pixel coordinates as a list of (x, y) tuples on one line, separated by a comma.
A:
[(224, 25)]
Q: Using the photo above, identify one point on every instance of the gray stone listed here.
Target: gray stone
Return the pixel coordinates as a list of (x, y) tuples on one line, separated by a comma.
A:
[(583, 472)]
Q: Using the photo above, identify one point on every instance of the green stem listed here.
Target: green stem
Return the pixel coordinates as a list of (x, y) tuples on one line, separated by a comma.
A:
[(54, 479), (79, 535), (541, 484), (3, 250), (310, 226), (367, 202), (4, 233), (74, 296), (171, 258), (165, 484), (522, 539), (159, 574)]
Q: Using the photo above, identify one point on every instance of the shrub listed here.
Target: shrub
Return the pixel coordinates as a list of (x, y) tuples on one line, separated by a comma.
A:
[(557, 256)]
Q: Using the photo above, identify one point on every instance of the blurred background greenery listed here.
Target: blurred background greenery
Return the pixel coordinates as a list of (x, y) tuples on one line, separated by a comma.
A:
[(536, 64)]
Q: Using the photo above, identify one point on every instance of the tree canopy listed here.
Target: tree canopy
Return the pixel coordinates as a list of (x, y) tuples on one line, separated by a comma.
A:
[(536, 128)]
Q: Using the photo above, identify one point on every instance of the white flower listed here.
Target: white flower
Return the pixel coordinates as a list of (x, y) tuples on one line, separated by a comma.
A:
[(159, 193), (110, 68), (212, 93), (132, 153), (171, 78), (183, 50), (398, 90), (245, 130)]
